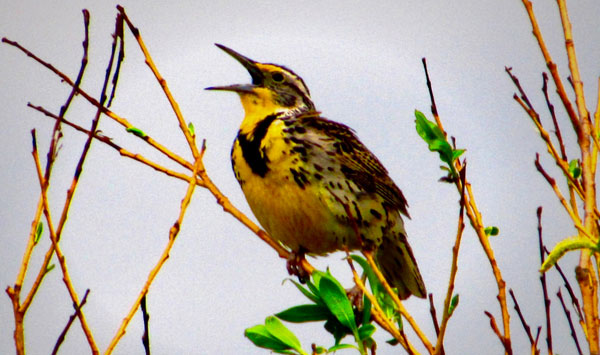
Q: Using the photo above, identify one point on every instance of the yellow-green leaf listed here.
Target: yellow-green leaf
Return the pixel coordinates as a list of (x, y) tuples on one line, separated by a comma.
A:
[(564, 246)]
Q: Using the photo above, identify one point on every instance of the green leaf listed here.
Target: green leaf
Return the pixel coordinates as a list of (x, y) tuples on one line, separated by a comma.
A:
[(385, 301), (336, 329), (340, 347), (191, 129), (320, 350), (428, 130), (304, 313), (336, 300), (314, 296), (138, 132), (568, 244), (38, 232), (491, 231), (262, 338), (282, 333), (366, 331), (437, 142), (456, 153), (575, 168), (453, 304), (49, 268), (366, 310), (376, 286)]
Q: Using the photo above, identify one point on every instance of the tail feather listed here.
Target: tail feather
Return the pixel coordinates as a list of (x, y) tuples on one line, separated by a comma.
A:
[(398, 265)]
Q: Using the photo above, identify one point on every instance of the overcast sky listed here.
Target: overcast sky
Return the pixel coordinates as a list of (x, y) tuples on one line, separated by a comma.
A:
[(362, 63)]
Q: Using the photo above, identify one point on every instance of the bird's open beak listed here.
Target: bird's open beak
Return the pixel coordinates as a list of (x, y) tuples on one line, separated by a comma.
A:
[(249, 64)]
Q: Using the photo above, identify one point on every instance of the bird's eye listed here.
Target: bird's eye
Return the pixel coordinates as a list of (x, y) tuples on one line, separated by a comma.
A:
[(277, 77)]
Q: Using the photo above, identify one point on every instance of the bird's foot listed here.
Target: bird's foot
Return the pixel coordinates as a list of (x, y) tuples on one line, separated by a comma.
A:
[(294, 266), (355, 295)]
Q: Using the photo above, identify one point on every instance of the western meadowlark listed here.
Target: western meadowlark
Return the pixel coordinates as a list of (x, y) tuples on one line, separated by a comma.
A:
[(310, 182)]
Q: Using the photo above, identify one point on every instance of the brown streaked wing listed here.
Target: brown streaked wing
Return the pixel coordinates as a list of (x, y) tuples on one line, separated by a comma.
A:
[(358, 163)]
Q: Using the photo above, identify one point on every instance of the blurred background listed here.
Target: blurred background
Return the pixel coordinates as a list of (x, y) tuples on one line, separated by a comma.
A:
[(362, 63)]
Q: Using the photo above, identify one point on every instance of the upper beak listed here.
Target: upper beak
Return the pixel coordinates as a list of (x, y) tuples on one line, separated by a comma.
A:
[(249, 64)]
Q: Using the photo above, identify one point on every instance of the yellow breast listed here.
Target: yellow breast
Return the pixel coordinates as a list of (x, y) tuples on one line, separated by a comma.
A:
[(294, 215)]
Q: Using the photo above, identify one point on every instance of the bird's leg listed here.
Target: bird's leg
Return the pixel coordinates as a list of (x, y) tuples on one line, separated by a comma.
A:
[(294, 265), (355, 294)]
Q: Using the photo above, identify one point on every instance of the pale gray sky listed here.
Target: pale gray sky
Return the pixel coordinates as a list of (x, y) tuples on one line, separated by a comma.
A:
[(362, 63)]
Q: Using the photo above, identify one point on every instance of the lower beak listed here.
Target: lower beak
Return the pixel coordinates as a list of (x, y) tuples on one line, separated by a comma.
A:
[(239, 88)]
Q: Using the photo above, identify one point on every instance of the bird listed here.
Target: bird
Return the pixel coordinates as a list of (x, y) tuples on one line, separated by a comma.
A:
[(311, 183)]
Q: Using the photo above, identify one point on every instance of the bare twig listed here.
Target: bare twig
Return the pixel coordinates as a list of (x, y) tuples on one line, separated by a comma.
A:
[(173, 232), (378, 313), (52, 151), (568, 314), (124, 152), (496, 331), (61, 337), (557, 132), (533, 114), (532, 341), (543, 281), (59, 254), (146, 318), (560, 89), (574, 299), (439, 346), (433, 313), (552, 182), (477, 224), (434, 110), (162, 82)]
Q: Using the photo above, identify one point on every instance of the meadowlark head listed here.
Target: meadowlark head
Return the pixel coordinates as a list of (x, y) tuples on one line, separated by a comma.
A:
[(274, 88)]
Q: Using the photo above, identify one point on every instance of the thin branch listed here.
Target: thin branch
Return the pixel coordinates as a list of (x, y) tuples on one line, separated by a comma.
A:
[(61, 337), (52, 151), (496, 331), (568, 314), (588, 283), (543, 281), (557, 132), (122, 121), (369, 256), (173, 232), (433, 313), (552, 182), (146, 319), (532, 341), (573, 66), (120, 39), (379, 314), (434, 110), (126, 153), (439, 347), (560, 89), (162, 82), (476, 223), (561, 162), (574, 299), (60, 256)]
